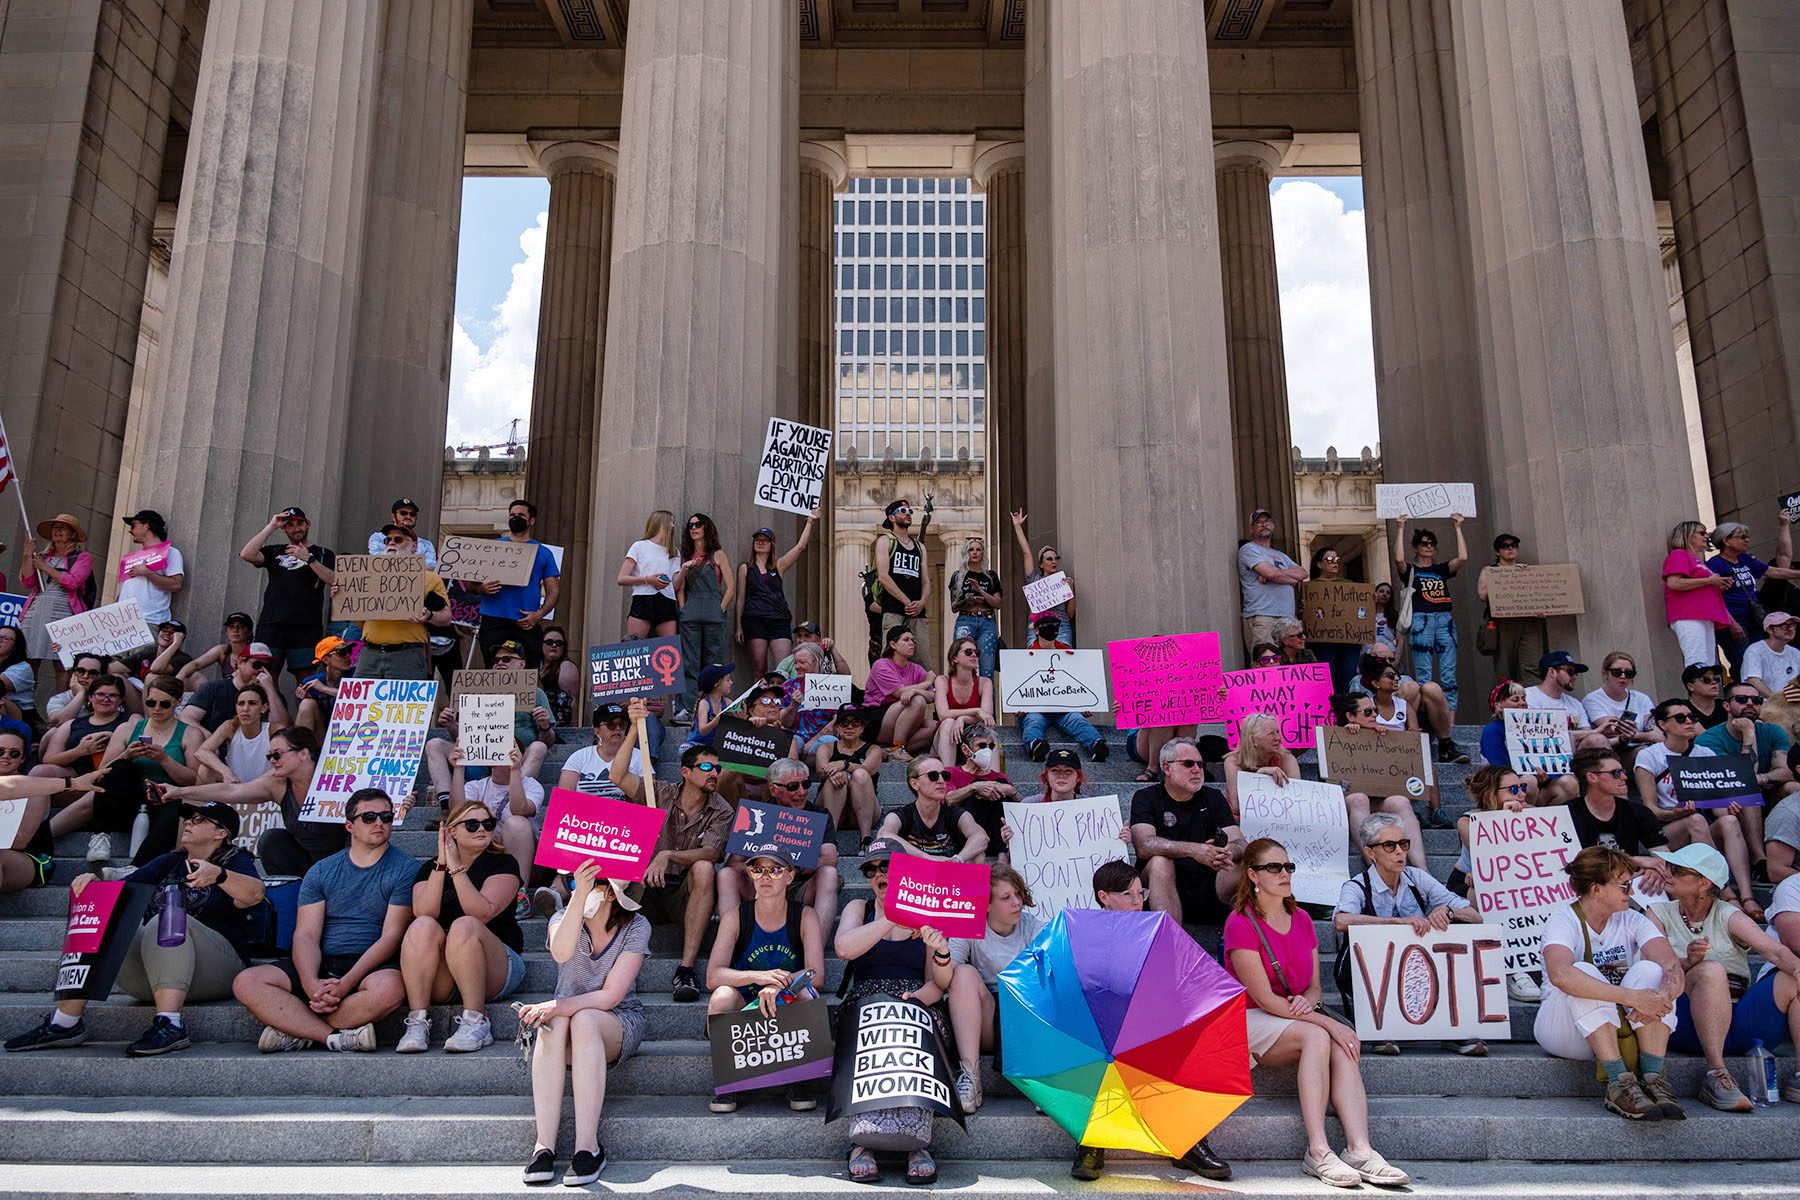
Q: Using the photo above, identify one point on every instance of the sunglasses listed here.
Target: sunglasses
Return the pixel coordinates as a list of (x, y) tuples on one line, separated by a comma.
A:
[(1682, 718), (148, 703), (1187, 764), (12, 754), (1364, 712), (274, 756), (768, 699), (1616, 773), (1517, 789), (395, 541), (1331, 558), (370, 818), (616, 726), (194, 814), (1509, 545), (789, 787), (1393, 844), (1276, 868), (968, 650), (554, 642), (1621, 673), (1427, 542), (765, 872), (706, 767), (506, 663), (1712, 679), (696, 524), (474, 824), (1265, 660), (1756, 700), (934, 776)]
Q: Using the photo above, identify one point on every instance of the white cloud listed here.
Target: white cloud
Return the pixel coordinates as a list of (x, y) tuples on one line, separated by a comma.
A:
[(491, 385), (1323, 265)]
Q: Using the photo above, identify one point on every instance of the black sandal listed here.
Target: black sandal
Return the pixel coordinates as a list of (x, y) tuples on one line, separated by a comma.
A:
[(1147, 776), (918, 1178), (871, 1172)]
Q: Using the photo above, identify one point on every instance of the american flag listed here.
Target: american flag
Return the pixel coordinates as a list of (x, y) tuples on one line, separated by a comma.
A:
[(6, 468)]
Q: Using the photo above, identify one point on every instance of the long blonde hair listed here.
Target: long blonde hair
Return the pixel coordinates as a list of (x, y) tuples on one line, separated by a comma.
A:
[(462, 812), (1249, 757), (660, 528)]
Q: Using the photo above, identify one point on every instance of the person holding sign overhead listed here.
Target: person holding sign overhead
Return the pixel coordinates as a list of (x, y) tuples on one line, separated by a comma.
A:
[(765, 623), (515, 612), (1040, 565), (1433, 629)]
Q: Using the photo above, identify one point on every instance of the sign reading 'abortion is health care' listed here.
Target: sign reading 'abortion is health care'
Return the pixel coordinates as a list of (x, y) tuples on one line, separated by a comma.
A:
[(617, 834), (951, 897)]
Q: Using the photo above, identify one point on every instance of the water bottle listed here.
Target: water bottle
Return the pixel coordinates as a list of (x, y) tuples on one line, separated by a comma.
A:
[(140, 828), (1761, 1076), (171, 922)]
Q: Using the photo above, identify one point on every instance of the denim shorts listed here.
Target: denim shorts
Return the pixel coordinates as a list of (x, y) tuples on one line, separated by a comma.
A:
[(515, 973)]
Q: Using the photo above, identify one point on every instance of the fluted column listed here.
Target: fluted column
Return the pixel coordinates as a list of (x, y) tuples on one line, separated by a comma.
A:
[(400, 378), (571, 353), (1261, 443), (1145, 497), (1000, 172), (262, 293), (823, 170), (849, 625), (1586, 439), (701, 340)]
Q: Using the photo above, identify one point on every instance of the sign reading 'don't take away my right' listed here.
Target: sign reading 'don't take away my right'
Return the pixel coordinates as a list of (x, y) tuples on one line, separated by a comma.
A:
[(791, 474), (378, 587), (1538, 590), (1443, 985), (487, 560)]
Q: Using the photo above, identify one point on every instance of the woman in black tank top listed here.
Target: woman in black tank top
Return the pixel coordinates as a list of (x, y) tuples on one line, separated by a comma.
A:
[(765, 623)]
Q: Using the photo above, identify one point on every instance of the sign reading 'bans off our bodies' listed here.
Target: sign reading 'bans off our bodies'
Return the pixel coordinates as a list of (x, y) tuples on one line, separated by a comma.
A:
[(622, 670), (1516, 861), (795, 458), (375, 739), (1309, 819), (617, 834), (111, 630), (1052, 681), (1174, 680), (378, 587), (1056, 845), (1442, 985), (951, 897), (1298, 696), (750, 1050)]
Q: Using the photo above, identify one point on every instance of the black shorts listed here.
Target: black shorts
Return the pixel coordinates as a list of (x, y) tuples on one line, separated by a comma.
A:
[(1200, 903), (654, 609), (292, 644), (768, 629), (331, 966)]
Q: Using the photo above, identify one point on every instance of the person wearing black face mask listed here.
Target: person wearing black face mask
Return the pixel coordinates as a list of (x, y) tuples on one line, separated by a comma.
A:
[(515, 612)]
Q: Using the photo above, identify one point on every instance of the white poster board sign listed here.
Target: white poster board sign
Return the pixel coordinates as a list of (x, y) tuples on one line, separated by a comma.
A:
[(484, 729), (375, 739), (1538, 739), (113, 629), (1409, 988), (1052, 681), (1310, 820), (826, 691), (1417, 500), (1057, 845), (795, 459), (1042, 595), (12, 815), (1516, 862)]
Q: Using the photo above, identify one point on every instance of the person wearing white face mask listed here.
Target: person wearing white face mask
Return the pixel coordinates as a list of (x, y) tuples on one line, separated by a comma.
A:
[(979, 785)]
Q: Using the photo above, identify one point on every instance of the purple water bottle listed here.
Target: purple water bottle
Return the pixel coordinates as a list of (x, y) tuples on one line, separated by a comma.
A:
[(171, 922)]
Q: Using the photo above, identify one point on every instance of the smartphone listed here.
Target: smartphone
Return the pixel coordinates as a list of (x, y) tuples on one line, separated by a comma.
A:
[(144, 739)]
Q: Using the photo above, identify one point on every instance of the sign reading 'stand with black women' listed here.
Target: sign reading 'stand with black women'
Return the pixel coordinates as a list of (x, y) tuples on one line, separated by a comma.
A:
[(890, 1054)]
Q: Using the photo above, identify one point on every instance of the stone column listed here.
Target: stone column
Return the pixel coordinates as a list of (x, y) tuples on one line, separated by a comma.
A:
[(571, 354), (400, 378), (1578, 388), (1261, 445), (701, 334), (1000, 172), (1145, 493), (262, 295), (849, 624), (823, 170)]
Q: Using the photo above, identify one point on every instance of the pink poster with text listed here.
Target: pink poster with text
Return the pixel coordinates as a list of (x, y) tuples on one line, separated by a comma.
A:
[(1299, 695), (1161, 681), (951, 897), (89, 914), (619, 835)]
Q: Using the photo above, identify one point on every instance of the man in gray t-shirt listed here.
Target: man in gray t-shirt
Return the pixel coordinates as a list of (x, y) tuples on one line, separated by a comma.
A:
[(1781, 839), (1266, 579)]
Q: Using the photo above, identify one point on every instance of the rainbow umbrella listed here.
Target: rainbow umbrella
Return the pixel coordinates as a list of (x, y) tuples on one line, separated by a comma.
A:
[(1124, 1031)]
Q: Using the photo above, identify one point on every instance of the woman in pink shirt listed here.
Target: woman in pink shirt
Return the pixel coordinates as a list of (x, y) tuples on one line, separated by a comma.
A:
[(1694, 596)]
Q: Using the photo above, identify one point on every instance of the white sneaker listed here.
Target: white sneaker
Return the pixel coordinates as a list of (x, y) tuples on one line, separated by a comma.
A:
[(99, 849), (417, 1038), (273, 1041), (968, 1089), (360, 1039), (115, 874), (1520, 987), (472, 1033)]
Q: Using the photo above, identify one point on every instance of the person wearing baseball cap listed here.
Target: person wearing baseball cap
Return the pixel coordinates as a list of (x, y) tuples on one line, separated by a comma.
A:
[(152, 571), (1556, 692), (901, 567), (405, 512), (1773, 663), (808, 632), (300, 575), (400, 647), (317, 692)]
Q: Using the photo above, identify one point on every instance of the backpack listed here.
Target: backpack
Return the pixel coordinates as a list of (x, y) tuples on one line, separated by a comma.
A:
[(747, 927), (1340, 967)]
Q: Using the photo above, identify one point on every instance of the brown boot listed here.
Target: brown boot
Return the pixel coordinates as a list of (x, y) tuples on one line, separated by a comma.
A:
[(1626, 1096), (1657, 1088)]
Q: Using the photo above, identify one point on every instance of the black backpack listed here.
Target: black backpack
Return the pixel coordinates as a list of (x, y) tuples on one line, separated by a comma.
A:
[(1340, 967)]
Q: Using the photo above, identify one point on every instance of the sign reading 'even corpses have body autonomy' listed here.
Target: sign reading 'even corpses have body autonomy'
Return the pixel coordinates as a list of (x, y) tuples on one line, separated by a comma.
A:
[(1051, 681), (617, 834), (1444, 985), (375, 739), (1057, 844), (378, 587), (619, 671), (1538, 739), (1516, 861), (795, 458), (952, 897), (1298, 696), (1173, 680), (1309, 819), (111, 630)]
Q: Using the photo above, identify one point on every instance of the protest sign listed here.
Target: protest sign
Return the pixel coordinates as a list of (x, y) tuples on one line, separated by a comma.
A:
[(465, 606), (1516, 861), (1042, 595), (749, 749), (1336, 610), (1790, 504), (556, 556), (1443, 985), (1539, 590), (12, 609), (12, 815), (484, 729), (750, 1050), (791, 473), (952, 897), (151, 558), (1298, 696), (1310, 820), (890, 1054), (518, 683), (622, 670), (375, 739), (486, 560), (378, 587), (113, 629), (1416, 500), (759, 828), (1057, 844), (1715, 781), (103, 923), (1158, 681), (1538, 739), (1052, 681), (825, 691), (619, 835), (254, 820), (1376, 762)]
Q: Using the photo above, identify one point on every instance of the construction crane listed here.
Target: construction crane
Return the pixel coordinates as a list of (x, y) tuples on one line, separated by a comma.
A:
[(512, 445)]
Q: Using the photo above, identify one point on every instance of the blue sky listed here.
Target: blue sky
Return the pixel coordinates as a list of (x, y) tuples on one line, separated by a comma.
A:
[(1319, 253)]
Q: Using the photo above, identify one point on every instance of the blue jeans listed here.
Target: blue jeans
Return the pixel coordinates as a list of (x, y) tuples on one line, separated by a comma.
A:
[(1033, 727), (1435, 631), (987, 638)]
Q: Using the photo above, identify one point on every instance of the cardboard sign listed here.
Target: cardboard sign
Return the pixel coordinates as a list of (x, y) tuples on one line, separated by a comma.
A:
[(379, 587), (619, 835), (1336, 610), (1442, 985), (12, 815), (1057, 844), (826, 692), (1052, 681), (1162, 681), (1790, 504), (1299, 696), (619, 671), (790, 476), (1715, 781), (113, 629), (1042, 595), (759, 828), (750, 1050), (890, 1054), (254, 820), (375, 739), (1376, 762), (1310, 820), (1538, 739), (1540, 590), (518, 683), (12, 609), (749, 749), (487, 560), (153, 558), (1415, 500), (103, 923), (1516, 861), (484, 730), (952, 897)]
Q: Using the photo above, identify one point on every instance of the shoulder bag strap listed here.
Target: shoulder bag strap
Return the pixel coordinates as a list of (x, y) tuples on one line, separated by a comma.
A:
[(1269, 952)]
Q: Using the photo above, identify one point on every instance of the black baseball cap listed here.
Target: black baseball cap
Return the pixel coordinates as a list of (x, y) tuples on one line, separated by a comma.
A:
[(293, 512), (608, 712), (173, 625), (509, 646), (390, 527), (404, 502), (1505, 540), (853, 712), (775, 854), (1560, 658), (1695, 671), (218, 812), (811, 627), (879, 851), (1062, 756), (150, 517), (239, 618)]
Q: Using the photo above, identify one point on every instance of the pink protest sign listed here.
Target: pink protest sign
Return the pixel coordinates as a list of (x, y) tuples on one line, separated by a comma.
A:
[(1160, 681), (88, 915), (951, 897), (154, 558), (619, 835), (1299, 695)]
